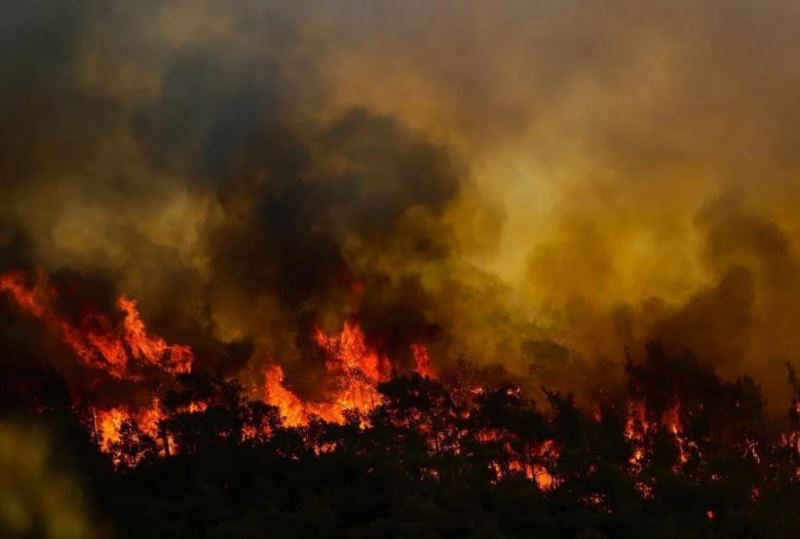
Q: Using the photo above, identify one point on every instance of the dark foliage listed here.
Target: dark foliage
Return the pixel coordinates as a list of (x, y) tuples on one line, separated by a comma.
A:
[(688, 455)]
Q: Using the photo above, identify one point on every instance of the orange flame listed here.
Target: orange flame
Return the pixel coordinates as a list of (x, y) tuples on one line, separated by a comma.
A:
[(356, 368), (95, 340), (121, 349), (638, 426), (109, 423), (294, 411), (422, 361)]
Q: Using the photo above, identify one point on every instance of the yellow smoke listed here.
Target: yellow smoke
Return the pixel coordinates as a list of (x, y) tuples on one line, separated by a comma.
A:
[(625, 172), (37, 497)]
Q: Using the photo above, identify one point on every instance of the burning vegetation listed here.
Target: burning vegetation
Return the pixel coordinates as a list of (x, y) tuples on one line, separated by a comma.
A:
[(675, 441), (399, 269)]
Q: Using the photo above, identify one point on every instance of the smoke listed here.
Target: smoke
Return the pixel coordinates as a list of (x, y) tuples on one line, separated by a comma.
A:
[(38, 497), (538, 185)]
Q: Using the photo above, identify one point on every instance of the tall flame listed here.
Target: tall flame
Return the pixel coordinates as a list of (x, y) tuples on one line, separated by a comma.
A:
[(638, 426), (356, 368), (95, 340)]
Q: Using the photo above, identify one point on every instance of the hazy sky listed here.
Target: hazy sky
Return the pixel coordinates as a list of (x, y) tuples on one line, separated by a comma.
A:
[(537, 184)]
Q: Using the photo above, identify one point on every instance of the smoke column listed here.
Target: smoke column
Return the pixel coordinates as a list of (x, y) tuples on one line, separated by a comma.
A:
[(534, 185)]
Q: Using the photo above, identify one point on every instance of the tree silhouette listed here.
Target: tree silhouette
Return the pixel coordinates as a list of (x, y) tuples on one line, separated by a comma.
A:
[(683, 454)]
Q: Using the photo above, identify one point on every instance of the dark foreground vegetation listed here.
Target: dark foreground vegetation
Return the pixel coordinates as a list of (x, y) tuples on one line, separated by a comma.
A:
[(683, 454)]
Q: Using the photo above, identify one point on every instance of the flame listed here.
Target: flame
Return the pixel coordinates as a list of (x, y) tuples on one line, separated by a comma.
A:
[(356, 368), (638, 426), (549, 452), (538, 473), (672, 420), (294, 411), (354, 365), (422, 361), (152, 349), (348, 351), (108, 422), (95, 340), (535, 468), (121, 349)]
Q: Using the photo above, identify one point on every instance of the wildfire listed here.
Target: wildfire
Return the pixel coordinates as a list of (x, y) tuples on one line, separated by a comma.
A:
[(125, 350), (109, 423), (152, 349), (95, 340), (122, 349), (422, 361), (356, 368), (537, 472), (672, 420), (294, 411), (348, 351), (638, 426)]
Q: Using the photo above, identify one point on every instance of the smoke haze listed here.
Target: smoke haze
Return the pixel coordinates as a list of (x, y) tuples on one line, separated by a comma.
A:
[(539, 185)]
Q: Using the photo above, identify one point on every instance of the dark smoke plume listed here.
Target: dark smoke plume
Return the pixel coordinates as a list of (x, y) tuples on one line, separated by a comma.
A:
[(535, 185)]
